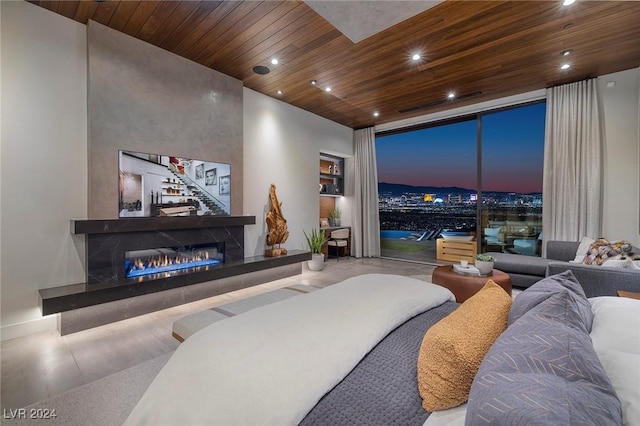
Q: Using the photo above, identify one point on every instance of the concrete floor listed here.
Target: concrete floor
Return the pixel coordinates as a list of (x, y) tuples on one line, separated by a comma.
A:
[(43, 365)]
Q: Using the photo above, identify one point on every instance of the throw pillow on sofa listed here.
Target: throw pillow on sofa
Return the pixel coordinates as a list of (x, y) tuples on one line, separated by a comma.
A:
[(544, 370), (602, 251)]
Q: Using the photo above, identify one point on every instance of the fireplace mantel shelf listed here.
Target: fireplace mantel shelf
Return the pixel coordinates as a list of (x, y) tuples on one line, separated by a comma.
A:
[(112, 226)]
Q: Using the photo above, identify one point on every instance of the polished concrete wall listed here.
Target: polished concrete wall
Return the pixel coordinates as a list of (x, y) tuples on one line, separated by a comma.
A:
[(146, 99)]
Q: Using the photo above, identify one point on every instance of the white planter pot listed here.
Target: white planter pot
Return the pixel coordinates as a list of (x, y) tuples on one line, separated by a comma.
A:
[(317, 262), (485, 268)]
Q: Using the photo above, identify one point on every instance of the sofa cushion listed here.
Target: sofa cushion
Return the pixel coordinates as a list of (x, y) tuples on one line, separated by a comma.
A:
[(543, 370), (564, 282), (526, 265), (452, 349)]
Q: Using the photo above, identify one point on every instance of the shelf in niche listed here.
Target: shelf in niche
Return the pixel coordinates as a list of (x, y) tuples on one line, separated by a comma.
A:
[(331, 184)]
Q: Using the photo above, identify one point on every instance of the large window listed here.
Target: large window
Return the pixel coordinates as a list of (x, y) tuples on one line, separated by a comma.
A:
[(512, 163), (431, 180)]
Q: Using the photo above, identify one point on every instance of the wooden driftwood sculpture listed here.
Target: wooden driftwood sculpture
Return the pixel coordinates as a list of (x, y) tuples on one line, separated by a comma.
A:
[(277, 225)]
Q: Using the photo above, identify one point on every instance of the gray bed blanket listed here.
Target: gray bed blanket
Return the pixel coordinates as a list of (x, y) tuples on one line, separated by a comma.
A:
[(383, 388)]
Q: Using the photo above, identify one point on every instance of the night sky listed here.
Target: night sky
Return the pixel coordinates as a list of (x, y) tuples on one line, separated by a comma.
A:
[(513, 151)]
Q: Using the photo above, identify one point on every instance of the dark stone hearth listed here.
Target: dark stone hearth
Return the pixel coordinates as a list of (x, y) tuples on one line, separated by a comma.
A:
[(105, 313), (66, 298), (107, 241)]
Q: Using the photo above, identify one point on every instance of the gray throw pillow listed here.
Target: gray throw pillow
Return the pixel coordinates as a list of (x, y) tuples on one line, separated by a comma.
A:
[(543, 370), (564, 282)]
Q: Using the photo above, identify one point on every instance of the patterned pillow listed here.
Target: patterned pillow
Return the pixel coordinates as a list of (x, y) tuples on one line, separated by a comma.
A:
[(564, 282), (602, 250), (453, 348), (543, 370)]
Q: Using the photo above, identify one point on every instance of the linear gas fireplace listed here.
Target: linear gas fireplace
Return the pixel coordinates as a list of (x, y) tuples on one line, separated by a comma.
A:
[(149, 262), (140, 265), (171, 248)]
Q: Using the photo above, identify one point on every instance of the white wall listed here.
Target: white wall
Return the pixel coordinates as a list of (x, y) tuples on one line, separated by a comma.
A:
[(281, 146), (44, 157), (621, 209)]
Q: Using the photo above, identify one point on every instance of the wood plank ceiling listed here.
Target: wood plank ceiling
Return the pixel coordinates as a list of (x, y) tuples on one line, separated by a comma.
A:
[(481, 50)]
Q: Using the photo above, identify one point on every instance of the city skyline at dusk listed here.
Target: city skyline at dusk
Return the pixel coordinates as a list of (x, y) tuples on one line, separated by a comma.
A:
[(445, 156)]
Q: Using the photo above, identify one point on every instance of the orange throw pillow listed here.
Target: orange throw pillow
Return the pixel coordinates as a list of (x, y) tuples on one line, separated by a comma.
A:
[(453, 348)]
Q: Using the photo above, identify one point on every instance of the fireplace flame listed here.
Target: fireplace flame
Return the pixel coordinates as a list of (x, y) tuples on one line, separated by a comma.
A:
[(165, 263)]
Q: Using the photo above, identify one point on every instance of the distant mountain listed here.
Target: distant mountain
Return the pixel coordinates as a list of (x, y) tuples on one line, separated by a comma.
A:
[(399, 189)]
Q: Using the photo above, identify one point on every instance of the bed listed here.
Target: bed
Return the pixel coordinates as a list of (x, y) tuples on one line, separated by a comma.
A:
[(345, 355)]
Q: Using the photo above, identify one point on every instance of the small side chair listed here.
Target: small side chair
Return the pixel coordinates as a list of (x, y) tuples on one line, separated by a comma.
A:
[(338, 239)]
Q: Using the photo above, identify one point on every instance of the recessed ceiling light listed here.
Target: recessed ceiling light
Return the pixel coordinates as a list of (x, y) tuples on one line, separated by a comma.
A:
[(451, 95), (274, 61), (565, 66), (313, 82), (568, 2), (416, 57), (376, 114), (279, 92), (328, 89), (566, 52)]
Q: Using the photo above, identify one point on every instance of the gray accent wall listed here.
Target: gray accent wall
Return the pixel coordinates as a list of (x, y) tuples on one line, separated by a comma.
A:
[(146, 99)]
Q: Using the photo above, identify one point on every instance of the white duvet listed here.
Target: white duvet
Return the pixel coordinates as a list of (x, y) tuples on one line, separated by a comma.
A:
[(271, 365)]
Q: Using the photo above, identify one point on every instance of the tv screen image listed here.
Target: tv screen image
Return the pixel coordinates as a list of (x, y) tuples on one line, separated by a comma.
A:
[(162, 185)]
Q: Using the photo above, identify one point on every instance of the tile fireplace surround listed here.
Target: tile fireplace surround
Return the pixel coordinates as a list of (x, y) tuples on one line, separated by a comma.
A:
[(108, 296)]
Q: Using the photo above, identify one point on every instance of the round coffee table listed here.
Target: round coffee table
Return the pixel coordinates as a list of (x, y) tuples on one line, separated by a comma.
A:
[(465, 286)]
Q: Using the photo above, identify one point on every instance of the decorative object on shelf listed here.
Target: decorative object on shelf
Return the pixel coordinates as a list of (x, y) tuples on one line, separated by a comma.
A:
[(484, 263), (316, 240), (277, 225), (320, 187), (334, 217), (331, 168)]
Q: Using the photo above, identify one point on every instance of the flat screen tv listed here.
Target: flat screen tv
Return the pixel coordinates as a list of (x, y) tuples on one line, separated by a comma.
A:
[(162, 185)]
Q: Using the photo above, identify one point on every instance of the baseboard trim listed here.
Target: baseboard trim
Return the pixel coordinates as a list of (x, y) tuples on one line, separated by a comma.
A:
[(38, 325)]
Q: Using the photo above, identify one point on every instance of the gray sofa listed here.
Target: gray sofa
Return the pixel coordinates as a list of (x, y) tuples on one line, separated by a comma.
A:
[(595, 280)]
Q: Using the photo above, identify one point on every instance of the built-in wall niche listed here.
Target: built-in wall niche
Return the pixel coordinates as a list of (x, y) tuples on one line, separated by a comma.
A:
[(331, 181), (160, 185)]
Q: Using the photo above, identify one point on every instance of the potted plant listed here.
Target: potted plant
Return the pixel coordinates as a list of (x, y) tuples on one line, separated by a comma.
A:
[(484, 263), (334, 217), (316, 240)]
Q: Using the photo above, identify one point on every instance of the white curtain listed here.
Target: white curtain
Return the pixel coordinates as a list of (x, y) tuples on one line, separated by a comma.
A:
[(572, 183), (365, 241)]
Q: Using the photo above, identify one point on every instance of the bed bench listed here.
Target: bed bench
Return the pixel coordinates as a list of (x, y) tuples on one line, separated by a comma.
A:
[(188, 325)]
